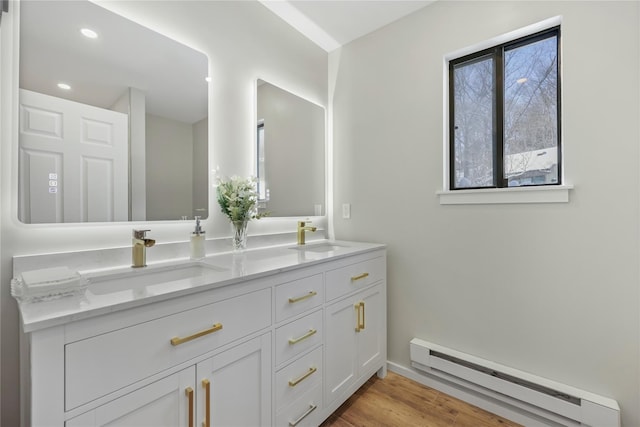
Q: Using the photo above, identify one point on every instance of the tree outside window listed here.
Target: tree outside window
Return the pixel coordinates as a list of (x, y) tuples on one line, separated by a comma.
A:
[(505, 115)]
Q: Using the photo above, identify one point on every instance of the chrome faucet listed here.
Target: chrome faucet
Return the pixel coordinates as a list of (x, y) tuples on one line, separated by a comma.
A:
[(301, 229), (140, 243)]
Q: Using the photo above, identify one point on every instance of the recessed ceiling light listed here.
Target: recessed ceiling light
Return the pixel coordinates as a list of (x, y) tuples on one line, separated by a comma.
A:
[(522, 80), (64, 86), (89, 33), (208, 79)]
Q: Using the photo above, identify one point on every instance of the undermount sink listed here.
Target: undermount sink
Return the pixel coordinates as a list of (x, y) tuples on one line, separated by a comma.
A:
[(148, 278), (319, 247)]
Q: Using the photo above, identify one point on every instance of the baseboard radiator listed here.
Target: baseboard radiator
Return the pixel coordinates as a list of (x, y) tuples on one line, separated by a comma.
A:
[(559, 403)]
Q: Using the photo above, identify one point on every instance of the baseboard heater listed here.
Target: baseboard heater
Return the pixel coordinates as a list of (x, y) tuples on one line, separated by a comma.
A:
[(559, 403)]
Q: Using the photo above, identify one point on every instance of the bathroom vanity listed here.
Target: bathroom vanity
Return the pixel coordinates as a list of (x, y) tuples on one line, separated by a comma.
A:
[(278, 336)]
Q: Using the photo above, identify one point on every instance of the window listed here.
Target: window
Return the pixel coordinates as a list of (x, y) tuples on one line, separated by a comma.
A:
[(263, 192), (504, 118)]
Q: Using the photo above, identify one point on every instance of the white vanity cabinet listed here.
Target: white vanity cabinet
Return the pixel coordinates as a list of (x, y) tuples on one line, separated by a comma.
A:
[(231, 388), (282, 347), (355, 348), (181, 362)]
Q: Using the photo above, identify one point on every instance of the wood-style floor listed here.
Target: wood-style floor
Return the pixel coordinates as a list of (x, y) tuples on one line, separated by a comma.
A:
[(398, 401)]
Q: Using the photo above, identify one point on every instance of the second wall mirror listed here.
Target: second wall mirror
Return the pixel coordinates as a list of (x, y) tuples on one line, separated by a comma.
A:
[(290, 153)]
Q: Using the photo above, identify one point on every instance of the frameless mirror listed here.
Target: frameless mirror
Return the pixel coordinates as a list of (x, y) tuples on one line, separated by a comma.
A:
[(290, 153), (113, 119)]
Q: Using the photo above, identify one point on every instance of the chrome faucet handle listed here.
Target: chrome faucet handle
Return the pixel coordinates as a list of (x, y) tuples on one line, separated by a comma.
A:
[(140, 234)]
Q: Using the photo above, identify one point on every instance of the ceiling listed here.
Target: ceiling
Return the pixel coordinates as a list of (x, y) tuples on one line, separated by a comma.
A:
[(334, 23)]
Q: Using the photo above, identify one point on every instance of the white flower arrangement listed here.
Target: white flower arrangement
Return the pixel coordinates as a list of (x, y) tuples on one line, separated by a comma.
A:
[(238, 198)]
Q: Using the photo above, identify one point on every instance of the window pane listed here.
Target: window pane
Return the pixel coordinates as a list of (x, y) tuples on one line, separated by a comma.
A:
[(531, 113), (473, 129), (262, 182)]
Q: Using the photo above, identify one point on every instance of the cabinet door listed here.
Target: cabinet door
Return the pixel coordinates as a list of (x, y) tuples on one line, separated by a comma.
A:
[(354, 340), (164, 403), (340, 348), (235, 386), (370, 339)]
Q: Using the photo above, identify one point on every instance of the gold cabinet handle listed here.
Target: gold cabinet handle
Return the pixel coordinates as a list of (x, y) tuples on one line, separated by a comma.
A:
[(303, 416), (360, 316), (207, 403), (189, 393), (177, 341), (302, 298), (360, 276), (304, 337), (293, 383)]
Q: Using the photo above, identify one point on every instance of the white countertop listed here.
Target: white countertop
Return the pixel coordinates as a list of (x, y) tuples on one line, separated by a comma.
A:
[(226, 269)]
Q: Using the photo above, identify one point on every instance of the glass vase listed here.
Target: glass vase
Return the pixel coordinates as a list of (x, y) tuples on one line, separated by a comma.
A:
[(239, 235)]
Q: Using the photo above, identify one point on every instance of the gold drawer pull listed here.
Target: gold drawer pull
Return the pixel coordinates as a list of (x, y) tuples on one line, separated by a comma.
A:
[(302, 378), (303, 416), (302, 298), (178, 341), (360, 315), (304, 337), (189, 393), (361, 276)]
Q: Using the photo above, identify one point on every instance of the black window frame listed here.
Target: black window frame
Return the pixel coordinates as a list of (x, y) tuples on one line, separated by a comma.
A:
[(497, 54)]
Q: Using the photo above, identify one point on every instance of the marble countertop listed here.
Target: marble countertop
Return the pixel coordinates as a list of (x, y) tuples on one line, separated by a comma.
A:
[(109, 290)]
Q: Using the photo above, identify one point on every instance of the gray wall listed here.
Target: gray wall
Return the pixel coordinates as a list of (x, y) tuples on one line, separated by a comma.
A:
[(548, 289), (169, 168)]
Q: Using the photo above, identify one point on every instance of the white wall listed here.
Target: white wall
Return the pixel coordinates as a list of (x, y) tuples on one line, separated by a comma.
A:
[(549, 289), (244, 41)]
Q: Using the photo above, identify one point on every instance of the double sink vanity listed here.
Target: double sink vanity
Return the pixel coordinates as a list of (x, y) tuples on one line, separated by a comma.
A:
[(281, 335), (275, 336)]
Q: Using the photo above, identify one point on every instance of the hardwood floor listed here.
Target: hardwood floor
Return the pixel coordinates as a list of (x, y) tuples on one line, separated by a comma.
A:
[(398, 401)]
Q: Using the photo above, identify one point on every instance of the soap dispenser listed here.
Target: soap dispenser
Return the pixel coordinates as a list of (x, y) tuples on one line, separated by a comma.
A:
[(197, 241)]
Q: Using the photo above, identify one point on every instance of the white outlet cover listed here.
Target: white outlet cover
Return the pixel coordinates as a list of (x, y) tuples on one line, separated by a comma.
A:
[(346, 211)]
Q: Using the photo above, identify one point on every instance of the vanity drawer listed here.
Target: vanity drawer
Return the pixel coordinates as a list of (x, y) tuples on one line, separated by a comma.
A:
[(305, 411), (298, 377), (296, 297), (355, 276), (298, 336), (107, 362)]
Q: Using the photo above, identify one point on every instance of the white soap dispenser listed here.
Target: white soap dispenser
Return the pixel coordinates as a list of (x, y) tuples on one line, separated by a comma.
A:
[(197, 241)]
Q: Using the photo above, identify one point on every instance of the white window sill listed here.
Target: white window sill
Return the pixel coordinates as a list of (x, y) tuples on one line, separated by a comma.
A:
[(547, 194)]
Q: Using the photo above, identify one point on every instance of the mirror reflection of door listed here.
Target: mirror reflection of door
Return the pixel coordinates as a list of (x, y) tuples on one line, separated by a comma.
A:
[(73, 161), (110, 62)]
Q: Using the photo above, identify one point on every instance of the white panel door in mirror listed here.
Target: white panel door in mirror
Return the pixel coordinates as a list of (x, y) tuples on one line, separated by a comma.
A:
[(66, 178)]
